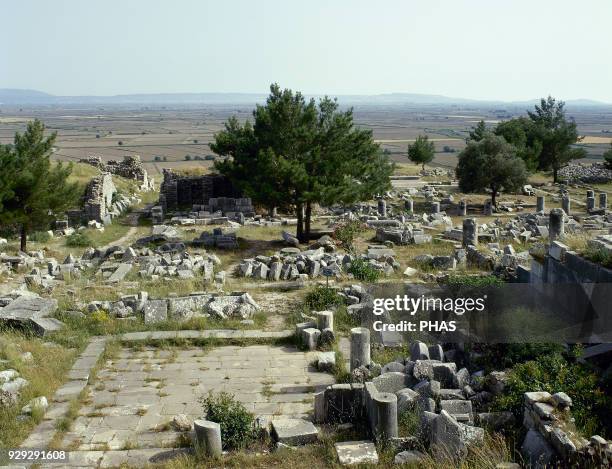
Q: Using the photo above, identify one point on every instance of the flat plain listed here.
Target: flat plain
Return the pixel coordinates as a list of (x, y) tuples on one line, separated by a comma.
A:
[(178, 136)]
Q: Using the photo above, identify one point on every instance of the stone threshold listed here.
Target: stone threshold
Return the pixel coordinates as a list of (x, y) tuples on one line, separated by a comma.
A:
[(206, 334)]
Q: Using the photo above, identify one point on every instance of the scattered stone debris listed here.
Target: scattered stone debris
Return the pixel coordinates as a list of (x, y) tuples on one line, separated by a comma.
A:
[(596, 173), (293, 264), (11, 385), (198, 304)]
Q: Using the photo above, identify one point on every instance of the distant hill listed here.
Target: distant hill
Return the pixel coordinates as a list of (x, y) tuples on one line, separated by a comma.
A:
[(19, 97)]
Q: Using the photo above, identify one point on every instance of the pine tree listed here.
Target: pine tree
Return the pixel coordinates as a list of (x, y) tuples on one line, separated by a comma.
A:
[(39, 189), (297, 153), (556, 134), (477, 133), (422, 151)]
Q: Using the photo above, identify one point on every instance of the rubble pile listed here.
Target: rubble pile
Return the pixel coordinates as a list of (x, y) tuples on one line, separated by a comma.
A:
[(291, 263), (596, 173), (167, 260), (552, 438), (197, 305)]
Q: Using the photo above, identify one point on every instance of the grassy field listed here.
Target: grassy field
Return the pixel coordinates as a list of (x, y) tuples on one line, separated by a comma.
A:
[(45, 372)]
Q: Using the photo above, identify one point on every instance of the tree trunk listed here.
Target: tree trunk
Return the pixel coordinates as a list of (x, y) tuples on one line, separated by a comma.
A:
[(494, 197), (555, 170), (307, 222), (299, 232), (24, 237)]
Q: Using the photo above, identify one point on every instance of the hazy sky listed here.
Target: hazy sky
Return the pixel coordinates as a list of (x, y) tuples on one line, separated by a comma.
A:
[(486, 49)]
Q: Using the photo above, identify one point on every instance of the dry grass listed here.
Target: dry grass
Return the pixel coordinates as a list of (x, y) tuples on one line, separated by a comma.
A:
[(323, 455), (45, 373)]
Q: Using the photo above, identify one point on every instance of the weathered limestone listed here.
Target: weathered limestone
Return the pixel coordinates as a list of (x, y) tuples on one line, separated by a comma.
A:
[(360, 347), (386, 415), (451, 437), (382, 207), (294, 432), (409, 206), (419, 351), (325, 320), (603, 200), (488, 208), (470, 232), (310, 338), (540, 204), (210, 192), (208, 437), (356, 452), (566, 204), (556, 224), (590, 203), (435, 207), (463, 208)]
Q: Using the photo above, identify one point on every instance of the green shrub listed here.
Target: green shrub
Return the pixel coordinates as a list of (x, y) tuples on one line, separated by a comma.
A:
[(554, 373), (409, 422), (363, 270), (237, 423), (501, 356), (321, 298), (347, 232), (79, 240), (599, 256), (40, 237), (344, 322), (473, 281)]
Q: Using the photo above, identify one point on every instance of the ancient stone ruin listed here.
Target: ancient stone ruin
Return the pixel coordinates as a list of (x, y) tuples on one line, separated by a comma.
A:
[(101, 202), (130, 168)]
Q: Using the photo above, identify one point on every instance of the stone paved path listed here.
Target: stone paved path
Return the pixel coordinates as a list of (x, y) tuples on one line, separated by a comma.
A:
[(136, 395)]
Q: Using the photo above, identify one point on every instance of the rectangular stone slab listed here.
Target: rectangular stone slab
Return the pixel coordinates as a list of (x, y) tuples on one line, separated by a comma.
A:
[(356, 452), (26, 307), (294, 431)]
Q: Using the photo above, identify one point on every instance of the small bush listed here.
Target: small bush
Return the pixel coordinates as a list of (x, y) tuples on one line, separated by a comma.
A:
[(599, 256), (501, 356), (40, 237), (321, 298), (237, 423), (347, 232), (554, 373), (363, 270), (79, 240), (409, 422)]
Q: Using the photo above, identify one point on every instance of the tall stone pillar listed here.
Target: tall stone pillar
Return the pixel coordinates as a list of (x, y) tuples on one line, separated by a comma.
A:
[(385, 404), (409, 206), (360, 347), (566, 204), (435, 207), (590, 203), (603, 200), (382, 207), (540, 207), (470, 232), (463, 208), (556, 224)]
